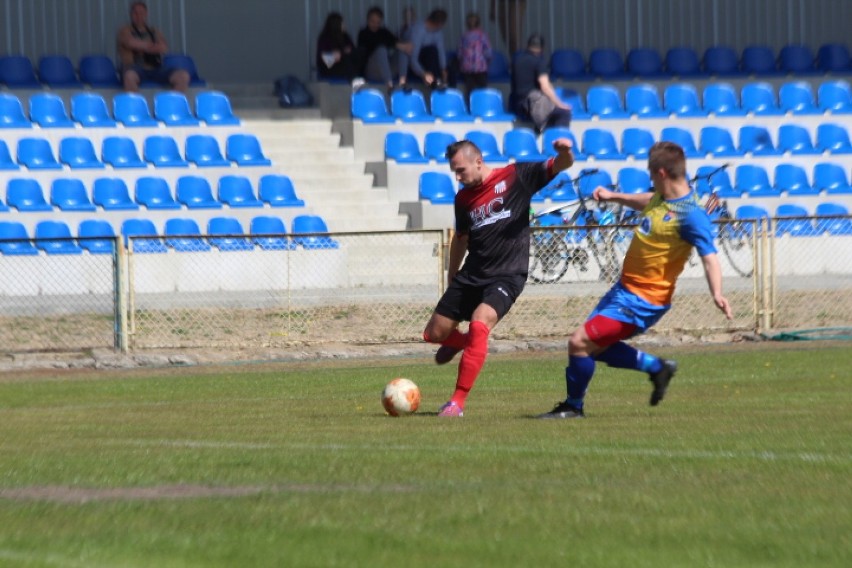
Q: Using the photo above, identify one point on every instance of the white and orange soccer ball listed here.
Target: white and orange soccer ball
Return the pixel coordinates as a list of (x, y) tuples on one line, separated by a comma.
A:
[(401, 397)]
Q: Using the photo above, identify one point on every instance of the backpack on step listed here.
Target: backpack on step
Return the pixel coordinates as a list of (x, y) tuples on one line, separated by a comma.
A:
[(291, 92)]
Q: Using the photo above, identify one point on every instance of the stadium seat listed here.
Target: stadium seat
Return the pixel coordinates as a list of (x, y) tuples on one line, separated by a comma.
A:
[(634, 180), (6, 160), (718, 181), (183, 235), (54, 237), (163, 152), (57, 72), (498, 67), (798, 98), (795, 139), (721, 99), (98, 71), (793, 180), (555, 132), (96, 236), (277, 190), (25, 194), (237, 191), (521, 145), (839, 225), (16, 71), (36, 154), (681, 99), (185, 62), (69, 194), (120, 152), (754, 181), (575, 100), (589, 182), (245, 150), (48, 111), (203, 151), (12, 112), (435, 145), (645, 63), (833, 138), (797, 60), (600, 144), (270, 233), (448, 105), (368, 105), (134, 229), (683, 138), (830, 178), (835, 97), (410, 106), (644, 101), (682, 62), (833, 58), (607, 64), (717, 140), (759, 99), (154, 193), (402, 147), (487, 144), (172, 108), (14, 239), (112, 195), (487, 105), (757, 141), (90, 110), (195, 193), (751, 212), (214, 108), (437, 188), (131, 109), (78, 153), (722, 61), (795, 227), (636, 142), (759, 60), (560, 189), (306, 224), (604, 101), (567, 65)]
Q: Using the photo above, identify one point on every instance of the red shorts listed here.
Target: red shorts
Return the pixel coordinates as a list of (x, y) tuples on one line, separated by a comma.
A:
[(604, 331)]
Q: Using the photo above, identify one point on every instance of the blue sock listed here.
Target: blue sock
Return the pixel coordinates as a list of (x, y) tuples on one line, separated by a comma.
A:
[(622, 356), (578, 375)]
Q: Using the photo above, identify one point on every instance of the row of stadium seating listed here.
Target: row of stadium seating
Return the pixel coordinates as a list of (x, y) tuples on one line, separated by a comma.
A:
[(111, 194), (98, 71), (90, 109), (181, 234), (370, 106)]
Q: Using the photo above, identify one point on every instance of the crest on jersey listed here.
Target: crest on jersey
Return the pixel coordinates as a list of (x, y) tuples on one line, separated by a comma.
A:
[(645, 226), (500, 188)]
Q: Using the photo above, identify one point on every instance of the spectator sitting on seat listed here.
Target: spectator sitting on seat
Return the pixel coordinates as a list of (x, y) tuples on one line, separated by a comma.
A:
[(336, 54), (474, 54), (428, 61), (140, 53), (378, 46), (532, 92)]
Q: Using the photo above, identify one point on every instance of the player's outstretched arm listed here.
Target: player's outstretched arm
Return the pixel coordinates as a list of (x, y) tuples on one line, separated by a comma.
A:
[(636, 201), (713, 272), (564, 154)]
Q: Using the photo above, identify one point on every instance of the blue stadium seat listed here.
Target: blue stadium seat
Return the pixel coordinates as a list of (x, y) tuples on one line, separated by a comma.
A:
[(183, 235), (555, 132), (131, 109), (48, 111), (6, 160), (643, 100), (833, 138), (14, 239), (270, 233), (368, 105), (792, 179), (487, 105), (797, 60), (154, 193), (449, 106), (245, 150), (57, 72), (403, 147), (435, 144), (754, 181), (25, 194), (487, 144), (719, 182), (96, 236), (645, 63), (277, 190), (560, 189), (112, 195), (830, 178), (683, 62), (839, 225), (78, 153), (185, 62), (195, 193), (636, 142), (410, 106), (90, 110), (759, 98), (521, 145), (683, 138), (498, 67), (833, 58), (575, 100), (139, 228), (756, 140), (606, 63), (722, 61), (681, 99), (172, 108), (798, 98), (69, 194), (717, 140), (436, 187), (795, 227), (36, 154), (237, 191), (589, 182), (604, 101), (306, 224), (16, 71), (795, 139), (214, 108), (163, 152), (634, 180), (120, 152), (600, 144), (721, 99), (835, 97), (759, 60), (751, 212), (98, 71), (203, 151), (567, 65), (12, 112), (54, 237)]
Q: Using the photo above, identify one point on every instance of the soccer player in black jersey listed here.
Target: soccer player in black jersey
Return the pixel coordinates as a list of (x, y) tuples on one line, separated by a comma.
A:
[(492, 227)]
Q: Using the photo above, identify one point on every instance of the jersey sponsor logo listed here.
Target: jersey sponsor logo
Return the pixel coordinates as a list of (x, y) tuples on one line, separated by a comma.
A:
[(500, 188), (488, 214), (645, 226)]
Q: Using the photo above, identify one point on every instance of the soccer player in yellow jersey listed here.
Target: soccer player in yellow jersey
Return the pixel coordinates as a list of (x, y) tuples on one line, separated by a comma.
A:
[(672, 222)]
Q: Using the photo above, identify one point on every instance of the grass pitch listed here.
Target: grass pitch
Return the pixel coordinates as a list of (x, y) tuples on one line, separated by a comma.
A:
[(746, 463)]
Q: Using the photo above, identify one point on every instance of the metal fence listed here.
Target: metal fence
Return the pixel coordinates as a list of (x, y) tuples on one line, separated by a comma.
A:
[(249, 292)]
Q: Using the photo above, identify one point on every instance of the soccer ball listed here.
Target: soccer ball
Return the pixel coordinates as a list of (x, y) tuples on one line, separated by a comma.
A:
[(400, 397)]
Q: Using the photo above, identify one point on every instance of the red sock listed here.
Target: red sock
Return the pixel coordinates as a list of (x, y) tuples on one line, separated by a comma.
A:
[(456, 340), (472, 360)]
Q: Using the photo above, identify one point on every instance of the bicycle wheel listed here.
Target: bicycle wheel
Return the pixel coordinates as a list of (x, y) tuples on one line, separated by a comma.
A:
[(738, 246), (549, 257), (611, 256)]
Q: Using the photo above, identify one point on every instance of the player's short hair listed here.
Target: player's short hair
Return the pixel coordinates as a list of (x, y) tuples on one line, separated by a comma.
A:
[(667, 156), (466, 146)]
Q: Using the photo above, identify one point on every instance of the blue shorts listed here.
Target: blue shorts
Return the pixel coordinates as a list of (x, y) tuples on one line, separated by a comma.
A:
[(625, 306), (158, 75)]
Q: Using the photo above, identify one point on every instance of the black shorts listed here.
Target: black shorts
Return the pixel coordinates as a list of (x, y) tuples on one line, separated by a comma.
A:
[(462, 298)]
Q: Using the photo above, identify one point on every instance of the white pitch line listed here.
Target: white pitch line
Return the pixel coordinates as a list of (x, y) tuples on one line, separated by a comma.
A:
[(35, 558)]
